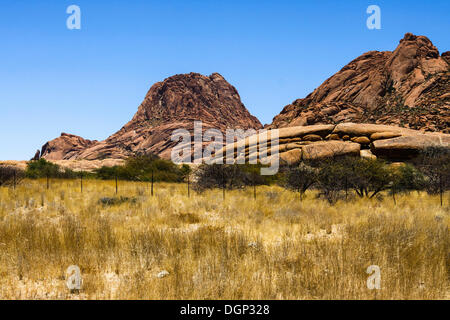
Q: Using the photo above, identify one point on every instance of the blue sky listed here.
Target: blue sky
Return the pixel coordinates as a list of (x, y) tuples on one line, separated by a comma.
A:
[(90, 82)]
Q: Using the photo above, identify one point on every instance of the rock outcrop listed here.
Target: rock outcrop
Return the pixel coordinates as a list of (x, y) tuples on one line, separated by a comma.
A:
[(173, 104), (345, 139), (409, 87), (65, 147), (37, 155)]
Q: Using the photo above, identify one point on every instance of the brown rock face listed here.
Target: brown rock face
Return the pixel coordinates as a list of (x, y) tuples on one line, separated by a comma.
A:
[(329, 149), (366, 140), (173, 104), (291, 157), (407, 87), (37, 155), (407, 147), (65, 147), (446, 56)]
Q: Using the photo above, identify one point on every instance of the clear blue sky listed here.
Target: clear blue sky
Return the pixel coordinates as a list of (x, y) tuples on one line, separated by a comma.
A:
[(90, 82)]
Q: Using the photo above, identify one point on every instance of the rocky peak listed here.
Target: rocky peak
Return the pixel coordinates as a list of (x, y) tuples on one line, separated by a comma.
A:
[(406, 87), (172, 104), (194, 97), (446, 56), (65, 146), (414, 53)]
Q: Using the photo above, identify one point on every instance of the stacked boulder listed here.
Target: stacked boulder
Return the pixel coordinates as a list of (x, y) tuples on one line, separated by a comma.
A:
[(326, 141)]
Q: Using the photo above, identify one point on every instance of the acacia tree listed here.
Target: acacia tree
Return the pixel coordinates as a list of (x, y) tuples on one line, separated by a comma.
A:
[(405, 178), (301, 178), (368, 177), (332, 178), (221, 176)]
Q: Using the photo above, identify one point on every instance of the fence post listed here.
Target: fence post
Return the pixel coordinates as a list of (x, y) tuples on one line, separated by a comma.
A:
[(116, 185), (346, 188), (189, 191), (152, 183), (81, 182), (254, 191), (48, 182), (14, 179), (223, 185), (441, 189)]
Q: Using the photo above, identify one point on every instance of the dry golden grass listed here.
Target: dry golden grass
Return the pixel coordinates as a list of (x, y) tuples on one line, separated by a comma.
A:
[(76, 165), (272, 248)]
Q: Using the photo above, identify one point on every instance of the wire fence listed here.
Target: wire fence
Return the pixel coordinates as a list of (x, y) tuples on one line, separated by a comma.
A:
[(116, 187)]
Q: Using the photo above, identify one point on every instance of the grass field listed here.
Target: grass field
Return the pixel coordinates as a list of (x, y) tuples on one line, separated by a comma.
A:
[(273, 248)]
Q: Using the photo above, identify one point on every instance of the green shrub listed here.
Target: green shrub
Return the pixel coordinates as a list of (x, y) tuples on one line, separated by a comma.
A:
[(43, 169), (224, 176), (368, 177), (301, 178), (230, 176), (107, 201), (333, 178), (143, 168)]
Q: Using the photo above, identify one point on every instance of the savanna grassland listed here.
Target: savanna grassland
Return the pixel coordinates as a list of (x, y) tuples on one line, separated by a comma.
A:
[(276, 247)]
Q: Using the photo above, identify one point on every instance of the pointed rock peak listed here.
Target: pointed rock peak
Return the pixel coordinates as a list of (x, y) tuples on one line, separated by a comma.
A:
[(423, 45), (408, 37), (194, 96), (423, 40), (216, 77), (63, 134), (446, 56)]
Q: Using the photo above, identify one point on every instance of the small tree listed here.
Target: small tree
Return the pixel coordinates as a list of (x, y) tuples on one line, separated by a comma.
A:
[(301, 178), (332, 178), (405, 178), (46, 169), (42, 169), (368, 177), (221, 176)]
